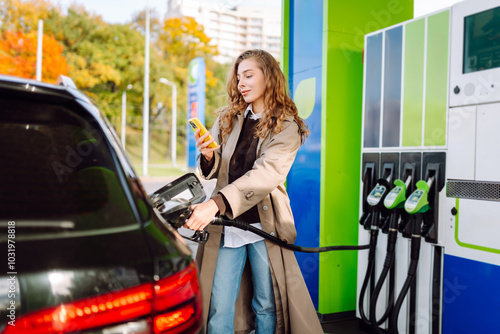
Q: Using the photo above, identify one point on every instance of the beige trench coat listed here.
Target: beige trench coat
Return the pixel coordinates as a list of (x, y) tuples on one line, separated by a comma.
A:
[(262, 186)]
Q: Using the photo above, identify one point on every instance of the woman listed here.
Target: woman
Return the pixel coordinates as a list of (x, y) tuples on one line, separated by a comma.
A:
[(259, 132)]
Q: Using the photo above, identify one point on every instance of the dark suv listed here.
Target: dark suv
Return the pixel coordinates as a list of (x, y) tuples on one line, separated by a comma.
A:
[(84, 251)]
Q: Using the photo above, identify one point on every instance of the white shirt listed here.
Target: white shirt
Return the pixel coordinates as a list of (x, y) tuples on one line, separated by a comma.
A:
[(233, 236)]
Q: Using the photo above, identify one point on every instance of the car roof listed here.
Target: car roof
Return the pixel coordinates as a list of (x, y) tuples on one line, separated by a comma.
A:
[(55, 93)]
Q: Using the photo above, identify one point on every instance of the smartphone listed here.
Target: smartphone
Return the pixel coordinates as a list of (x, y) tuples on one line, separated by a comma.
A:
[(196, 124)]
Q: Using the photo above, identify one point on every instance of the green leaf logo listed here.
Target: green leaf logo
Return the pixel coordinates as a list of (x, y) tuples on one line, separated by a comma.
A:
[(305, 97), (193, 72)]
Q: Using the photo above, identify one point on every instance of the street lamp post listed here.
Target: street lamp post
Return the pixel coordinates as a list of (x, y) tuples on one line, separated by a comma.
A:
[(124, 114), (174, 119), (145, 102), (39, 50)]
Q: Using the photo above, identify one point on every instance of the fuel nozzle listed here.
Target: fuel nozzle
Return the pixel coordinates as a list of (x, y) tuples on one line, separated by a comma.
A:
[(418, 204), (176, 212), (394, 201), (418, 201), (368, 179), (397, 196), (378, 194), (376, 200)]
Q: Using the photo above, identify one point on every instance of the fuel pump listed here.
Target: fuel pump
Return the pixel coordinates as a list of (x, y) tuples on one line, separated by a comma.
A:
[(394, 202), (417, 204), (378, 213)]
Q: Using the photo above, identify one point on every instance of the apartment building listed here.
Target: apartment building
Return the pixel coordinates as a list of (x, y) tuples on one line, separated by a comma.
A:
[(233, 29)]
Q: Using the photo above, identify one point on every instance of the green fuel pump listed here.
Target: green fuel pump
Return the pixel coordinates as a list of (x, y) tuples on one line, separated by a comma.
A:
[(417, 204), (394, 201)]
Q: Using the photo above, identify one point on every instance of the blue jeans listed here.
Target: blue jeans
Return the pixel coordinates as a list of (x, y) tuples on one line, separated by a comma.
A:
[(226, 285)]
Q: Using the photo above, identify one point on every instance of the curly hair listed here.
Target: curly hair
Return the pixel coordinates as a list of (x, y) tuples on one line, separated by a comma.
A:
[(277, 102)]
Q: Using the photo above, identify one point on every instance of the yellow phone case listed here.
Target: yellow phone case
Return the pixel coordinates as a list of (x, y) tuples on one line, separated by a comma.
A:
[(195, 124)]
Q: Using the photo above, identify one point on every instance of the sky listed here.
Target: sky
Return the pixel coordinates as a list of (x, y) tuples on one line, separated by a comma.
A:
[(122, 11)]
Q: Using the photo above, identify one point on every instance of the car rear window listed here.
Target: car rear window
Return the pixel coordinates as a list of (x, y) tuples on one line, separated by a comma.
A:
[(56, 169)]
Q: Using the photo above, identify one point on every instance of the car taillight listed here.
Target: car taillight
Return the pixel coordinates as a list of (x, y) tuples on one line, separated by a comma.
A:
[(181, 289), (175, 303), (92, 312)]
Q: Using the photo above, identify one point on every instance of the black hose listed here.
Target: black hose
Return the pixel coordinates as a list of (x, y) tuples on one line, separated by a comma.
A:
[(399, 302), (388, 265), (369, 271), (247, 227), (416, 240)]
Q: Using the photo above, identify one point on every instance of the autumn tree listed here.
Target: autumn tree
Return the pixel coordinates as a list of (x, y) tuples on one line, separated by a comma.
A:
[(18, 56), (18, 40), (23, 15), (183, 39), (103, 59)]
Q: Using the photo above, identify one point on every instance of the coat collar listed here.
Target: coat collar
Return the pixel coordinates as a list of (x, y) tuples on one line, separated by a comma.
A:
[(252, 114)]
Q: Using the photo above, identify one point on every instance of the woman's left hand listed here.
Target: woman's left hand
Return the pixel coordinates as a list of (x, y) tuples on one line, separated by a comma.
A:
[(202, 215)]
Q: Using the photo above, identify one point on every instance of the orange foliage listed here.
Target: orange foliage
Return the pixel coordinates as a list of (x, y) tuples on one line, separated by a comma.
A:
[(18, 56)]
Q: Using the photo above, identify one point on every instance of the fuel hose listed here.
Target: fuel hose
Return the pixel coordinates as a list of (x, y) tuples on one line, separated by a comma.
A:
[(369, 276), (247, 227), (412, 272), (388, 265)]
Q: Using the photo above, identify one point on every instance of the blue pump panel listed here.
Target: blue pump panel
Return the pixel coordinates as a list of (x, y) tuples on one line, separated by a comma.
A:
[(196, 105), (471, 296), (303, 182)]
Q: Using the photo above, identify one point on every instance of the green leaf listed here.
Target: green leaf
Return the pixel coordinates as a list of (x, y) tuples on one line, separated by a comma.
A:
[(305, 96)]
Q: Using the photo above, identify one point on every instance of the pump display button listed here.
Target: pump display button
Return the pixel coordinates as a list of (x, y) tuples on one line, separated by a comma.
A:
[(376, 194)]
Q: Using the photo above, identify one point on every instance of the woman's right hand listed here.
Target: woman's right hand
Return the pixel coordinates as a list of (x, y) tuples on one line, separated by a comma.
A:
[(202, 146), (202, 215)]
